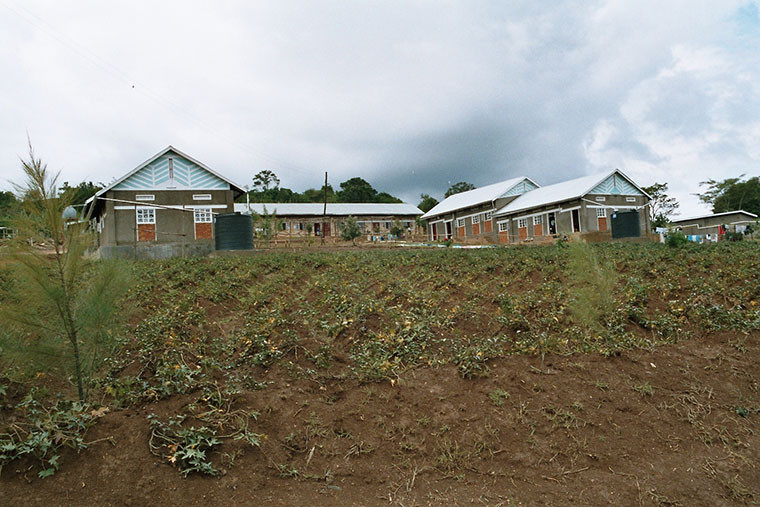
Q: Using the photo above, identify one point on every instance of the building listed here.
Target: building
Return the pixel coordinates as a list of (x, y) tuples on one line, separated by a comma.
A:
[(469, 215), (607, 204), (163, 207), (712, 227), (305, 219)]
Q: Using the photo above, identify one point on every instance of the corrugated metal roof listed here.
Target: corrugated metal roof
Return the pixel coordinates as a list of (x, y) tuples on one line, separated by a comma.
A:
[(679, 220), (333, 208), (559, 192), (474, 197)]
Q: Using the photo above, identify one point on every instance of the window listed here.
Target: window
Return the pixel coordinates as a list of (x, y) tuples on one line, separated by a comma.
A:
[(387, 225), (503, 226), (630, 199), (600, 198), (203, 215), (201, 197), (476, 219), (460, 222), (488, 216), (171, 168), (601, 212), (146, 216), (538, 220), (522, 223), (145, 197)]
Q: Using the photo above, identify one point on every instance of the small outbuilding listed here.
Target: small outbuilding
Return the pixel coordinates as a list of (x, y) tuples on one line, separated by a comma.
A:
[(712, 227)]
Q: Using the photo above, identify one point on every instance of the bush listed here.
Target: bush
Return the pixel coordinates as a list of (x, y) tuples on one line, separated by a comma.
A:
[(676, 239)]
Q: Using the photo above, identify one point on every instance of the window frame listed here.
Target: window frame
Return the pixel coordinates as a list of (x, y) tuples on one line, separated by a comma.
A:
[(538, 220), (601, 212), (203, 215), (145, 216), (522, 223), (503, 226), (460, 222)]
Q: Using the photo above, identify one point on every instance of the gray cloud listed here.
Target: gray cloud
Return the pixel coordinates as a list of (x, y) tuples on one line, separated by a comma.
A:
[(408, 95)]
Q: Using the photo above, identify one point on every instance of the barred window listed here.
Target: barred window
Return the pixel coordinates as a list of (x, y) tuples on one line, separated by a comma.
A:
[(146, 216), (503, 226), (460, 222), (538, 220), (488, 216), (601, 212), (203, 215), (522, 223), (476, 219)]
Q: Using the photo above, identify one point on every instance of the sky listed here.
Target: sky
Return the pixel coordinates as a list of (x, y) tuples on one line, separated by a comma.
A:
[(410, 95)]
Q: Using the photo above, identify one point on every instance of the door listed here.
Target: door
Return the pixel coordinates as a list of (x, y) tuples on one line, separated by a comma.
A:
[(576, 220), (522, 233), (448, 230), (327, 229), (538, 227), (317, 229), (434, 231), (552, 224), (488, 226)]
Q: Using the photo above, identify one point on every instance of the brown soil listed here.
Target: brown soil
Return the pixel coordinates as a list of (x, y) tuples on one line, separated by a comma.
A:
[(581, 429)]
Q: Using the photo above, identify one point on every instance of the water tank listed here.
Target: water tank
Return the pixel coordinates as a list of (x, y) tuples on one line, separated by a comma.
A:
[(233, 231)]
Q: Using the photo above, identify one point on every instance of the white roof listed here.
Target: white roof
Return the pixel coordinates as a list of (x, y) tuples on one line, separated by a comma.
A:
[(677, 220), (154, 157), (560, 192), (474, 197), (333, 208)]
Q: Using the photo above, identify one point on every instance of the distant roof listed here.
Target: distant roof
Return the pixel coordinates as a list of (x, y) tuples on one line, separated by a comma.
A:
[(477, 196), (169, 148), (333, 208), (679, 220), (563, 191)]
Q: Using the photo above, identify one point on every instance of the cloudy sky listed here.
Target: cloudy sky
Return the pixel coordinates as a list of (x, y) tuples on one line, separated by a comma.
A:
[(410, 95)]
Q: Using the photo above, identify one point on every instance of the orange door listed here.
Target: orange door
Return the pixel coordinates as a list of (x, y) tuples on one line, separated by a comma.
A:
[(146, 232), (488, 226), (460, 232), (538, 230), (503, 237), (203, 230), (602, 223), (522, 233), (475, 229)]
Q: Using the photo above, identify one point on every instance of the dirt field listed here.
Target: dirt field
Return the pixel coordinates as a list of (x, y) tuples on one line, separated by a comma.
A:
[(673, 423)]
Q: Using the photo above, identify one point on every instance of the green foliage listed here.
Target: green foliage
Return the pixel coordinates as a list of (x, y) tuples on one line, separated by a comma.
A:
[(676, 239), (426, 203), (732, 194), (592, 287), (359, 190), (9, 206), (350, 230), (266, 224), (459, 187), (263, 179), (41, 432), (78, 195), (186, 448), (662, 206), (60, 309), (397, 229)]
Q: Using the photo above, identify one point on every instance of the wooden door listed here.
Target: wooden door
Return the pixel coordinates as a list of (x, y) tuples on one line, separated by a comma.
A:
[(522, 233), (538, 230), (146, 232), (475, 229), (602, 223), (488, 226), (460, 232)]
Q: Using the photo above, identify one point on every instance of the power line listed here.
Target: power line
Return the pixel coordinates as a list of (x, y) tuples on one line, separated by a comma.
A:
[(143, 89)]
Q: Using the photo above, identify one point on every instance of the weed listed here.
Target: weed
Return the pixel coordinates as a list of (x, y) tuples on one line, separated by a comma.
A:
[(644, 389), (498, 396)]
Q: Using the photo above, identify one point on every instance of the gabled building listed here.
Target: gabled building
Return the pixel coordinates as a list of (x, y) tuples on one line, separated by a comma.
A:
[(469, 215), (168, 201), (303, 219), (712, 227), (608, 203)]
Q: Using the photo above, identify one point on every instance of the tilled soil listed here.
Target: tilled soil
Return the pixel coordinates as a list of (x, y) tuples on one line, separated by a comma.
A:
[(674, 426)]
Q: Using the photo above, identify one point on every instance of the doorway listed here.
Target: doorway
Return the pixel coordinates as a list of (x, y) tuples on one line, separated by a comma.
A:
[(576, 220), (552, 224)]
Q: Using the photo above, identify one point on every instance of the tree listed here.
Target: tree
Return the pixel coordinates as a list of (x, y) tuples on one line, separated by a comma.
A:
[(264, 179), (266, 224), (427, 203), (397, 229), (350, 230), (456, 188), (79, 194), (662, 206), (9, 206), (318, 195), (387, 198), (57, 308), (356, 190), (732, 194)]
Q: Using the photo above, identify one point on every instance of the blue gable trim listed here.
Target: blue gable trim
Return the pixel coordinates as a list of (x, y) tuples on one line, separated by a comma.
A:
[(615, 185), (520, 188), (187, 176)]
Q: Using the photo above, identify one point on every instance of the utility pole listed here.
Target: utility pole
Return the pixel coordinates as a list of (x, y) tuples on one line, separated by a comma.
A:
[(324, 211)]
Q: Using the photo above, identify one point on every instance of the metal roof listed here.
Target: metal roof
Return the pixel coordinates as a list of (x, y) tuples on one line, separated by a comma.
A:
[(678, 220), (333, 208), (560, 192), (474, 197), (169, 148)]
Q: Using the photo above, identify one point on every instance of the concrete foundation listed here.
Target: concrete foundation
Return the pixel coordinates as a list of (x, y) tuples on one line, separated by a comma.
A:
[(155, 251)]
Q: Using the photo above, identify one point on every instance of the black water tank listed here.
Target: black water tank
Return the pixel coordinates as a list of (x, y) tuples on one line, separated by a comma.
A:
[(233, 231), (626, 224)]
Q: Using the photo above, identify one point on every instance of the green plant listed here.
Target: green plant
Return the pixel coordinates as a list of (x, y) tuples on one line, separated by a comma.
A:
[(60, 309), (644, 389), (44, 431), (676, 239), (185, 448), (350, 230), (498, 396), (592, 286)]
